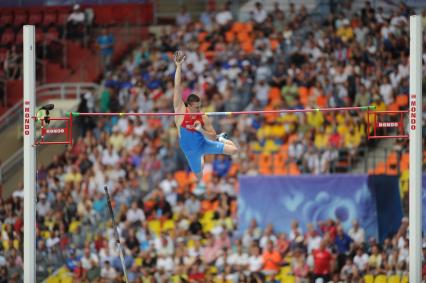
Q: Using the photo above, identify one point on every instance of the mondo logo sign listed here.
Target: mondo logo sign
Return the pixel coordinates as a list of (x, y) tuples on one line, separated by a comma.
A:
[(413, 112), (27, 117), (388, 124), (55, 131)]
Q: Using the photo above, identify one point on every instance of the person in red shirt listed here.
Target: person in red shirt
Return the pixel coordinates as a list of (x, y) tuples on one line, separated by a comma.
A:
[(323, 261)]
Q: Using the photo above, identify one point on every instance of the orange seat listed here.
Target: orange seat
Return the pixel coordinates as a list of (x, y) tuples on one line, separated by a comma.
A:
[(279, 163), (243, 36), (265, 163), (202, 36), (234, 170), (274, 43), (237, 27), (275, 94), (392, 159), (393, 107), (294, 169), (229, 36), (182, 178), (247, 46), (402, 100)]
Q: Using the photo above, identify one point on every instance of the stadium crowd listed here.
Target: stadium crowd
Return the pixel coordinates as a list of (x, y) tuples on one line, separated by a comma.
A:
[(176, 231)]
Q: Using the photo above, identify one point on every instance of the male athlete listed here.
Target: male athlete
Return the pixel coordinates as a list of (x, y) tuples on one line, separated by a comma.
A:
[(197, 136)]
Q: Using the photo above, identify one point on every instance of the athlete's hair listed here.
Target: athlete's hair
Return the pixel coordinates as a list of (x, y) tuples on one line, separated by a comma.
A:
[(192, 98)]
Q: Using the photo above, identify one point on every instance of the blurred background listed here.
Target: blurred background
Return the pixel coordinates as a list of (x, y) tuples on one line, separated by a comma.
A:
[(308, 199)]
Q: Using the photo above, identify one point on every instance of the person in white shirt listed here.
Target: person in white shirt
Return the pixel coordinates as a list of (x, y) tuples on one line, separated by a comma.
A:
[(224, 17), (109, 156), (89, 259), (165, 262), (255, 261), (357, 233), (135, 214), (183, 18), (75, 23), (239, 259), (259, 13), (361, 259), (108, 272)]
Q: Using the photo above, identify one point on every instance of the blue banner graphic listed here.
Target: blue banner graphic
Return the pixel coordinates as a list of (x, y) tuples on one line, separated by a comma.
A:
[(281, 199)]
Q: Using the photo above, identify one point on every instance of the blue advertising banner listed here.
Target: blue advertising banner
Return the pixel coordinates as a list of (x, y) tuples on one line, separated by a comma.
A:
[(281, 199)]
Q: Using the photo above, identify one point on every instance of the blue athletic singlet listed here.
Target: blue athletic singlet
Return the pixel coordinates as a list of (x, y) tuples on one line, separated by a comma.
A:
[(194, 144)]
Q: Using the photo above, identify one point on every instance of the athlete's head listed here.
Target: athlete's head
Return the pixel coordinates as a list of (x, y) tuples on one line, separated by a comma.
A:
[(193, 102)]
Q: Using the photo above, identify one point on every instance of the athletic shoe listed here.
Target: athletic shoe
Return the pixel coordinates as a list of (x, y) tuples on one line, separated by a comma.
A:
[(222, 136)]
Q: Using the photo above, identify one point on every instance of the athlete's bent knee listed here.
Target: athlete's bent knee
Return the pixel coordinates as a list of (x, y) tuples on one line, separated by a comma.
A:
[(230, 149)]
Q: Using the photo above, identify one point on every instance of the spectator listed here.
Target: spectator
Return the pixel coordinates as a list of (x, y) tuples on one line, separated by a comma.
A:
[(12, 64), (75, 23), (224, 18), (108, 272), (259, 14), (271, 259), (105, 43), (323, 261), (361, 260), (183, 18), (357, 233)]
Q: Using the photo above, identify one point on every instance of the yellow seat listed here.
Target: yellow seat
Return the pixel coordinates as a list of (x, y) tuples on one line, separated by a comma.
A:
[(381, 279), (394, 279), (368, 278), (404, 279), (285, 270), (138, 261), (288, 279), (155, 226), (168, 225)]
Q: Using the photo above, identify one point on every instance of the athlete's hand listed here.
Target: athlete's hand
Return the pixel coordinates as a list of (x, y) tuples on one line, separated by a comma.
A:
[(179, 57), (197, 126)]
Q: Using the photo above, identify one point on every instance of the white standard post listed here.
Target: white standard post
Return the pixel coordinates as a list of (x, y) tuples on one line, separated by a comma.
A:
[(415, 194), (29, 155)]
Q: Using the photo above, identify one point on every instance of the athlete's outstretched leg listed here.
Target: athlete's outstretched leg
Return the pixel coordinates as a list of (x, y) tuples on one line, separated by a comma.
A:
[(230, 148)]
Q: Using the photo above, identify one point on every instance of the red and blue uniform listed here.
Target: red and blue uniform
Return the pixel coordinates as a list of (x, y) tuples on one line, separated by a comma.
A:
[(194, 144)]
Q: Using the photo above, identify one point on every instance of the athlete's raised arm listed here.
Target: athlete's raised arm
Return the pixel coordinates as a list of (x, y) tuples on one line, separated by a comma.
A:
[(178, 104)]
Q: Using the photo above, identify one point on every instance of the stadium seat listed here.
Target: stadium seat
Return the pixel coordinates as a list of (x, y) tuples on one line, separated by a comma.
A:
[(155, 226), (294, 169), (7, 38), (265, 163), (49, 18), (20, 19), (6, 19), (3, 54), (168, 225), (394, 279), (62, 18), (402, 101), (380, 279), (368, 278), (19, 38), (288, 279), (279, 163), (35, 18)]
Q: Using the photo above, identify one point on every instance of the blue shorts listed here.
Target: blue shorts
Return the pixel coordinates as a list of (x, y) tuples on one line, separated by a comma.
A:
[(194, 145)]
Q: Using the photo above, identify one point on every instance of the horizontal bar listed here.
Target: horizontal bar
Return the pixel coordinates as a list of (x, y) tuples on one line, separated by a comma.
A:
[(52, 142), (54, 118), (390, 112), (362, 108), (388, 137)]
